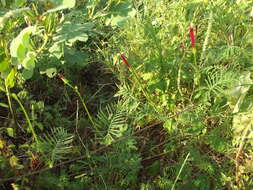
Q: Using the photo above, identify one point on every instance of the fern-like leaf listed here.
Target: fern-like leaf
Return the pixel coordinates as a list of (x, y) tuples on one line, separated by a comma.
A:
[(56, 145), (111, 122), (218, 80)]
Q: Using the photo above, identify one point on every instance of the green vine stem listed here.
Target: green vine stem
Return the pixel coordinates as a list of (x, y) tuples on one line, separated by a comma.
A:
[(238, 154), (7, 91), (75, 89), (180, 171), (26, 116)]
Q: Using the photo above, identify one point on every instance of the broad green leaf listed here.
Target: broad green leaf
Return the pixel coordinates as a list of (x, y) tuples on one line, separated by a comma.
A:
[(5, 73), (48, 69), (81, 58), (69, 3), (20, 44), (239, 92), (70, 32), (10, 131), (83, 37), (21, 52), (14, 47), (4, 64), (26, 40), (118, 20), (120, 13), (10, 80), (71, 27), (27, 74), (3, 3), (25, 35), (28, 63), (56, 50), (65, 3)]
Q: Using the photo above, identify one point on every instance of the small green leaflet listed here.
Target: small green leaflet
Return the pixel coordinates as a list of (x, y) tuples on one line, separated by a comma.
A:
[(21, 53), (21, 42), (10, 80)]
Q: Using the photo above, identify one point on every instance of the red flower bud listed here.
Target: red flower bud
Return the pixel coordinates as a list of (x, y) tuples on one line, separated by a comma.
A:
[(192, 36), (125, 60), (61, 76)]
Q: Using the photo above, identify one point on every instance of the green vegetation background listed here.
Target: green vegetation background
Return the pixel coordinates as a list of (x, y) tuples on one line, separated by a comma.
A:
[(126, 94)]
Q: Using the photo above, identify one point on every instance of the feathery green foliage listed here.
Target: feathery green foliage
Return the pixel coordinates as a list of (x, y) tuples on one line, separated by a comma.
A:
[(167, 88), (56, 145)]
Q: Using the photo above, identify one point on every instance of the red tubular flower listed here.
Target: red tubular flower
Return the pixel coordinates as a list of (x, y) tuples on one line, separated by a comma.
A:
[(192, 36), (125, 60)]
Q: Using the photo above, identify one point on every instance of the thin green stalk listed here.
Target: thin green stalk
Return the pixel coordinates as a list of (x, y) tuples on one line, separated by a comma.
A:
[(194, 52), (84, 105), (180, 171), (75, 89), (238, 154), (79, 137), (197, 72), (26, 116), (43, 45), (208, 34), (179, 76), (7, 91), (196, 79), (179, 79)]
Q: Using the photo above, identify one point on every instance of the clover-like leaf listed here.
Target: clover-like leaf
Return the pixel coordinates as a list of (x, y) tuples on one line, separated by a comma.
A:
[(28, 63), (21, 43), (27, 74)]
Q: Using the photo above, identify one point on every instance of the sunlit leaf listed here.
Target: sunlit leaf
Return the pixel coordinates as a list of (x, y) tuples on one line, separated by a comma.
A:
[(10, 80), (28, 63), (2, 144), (65, 3), (10, 131), (13, 161), (4, 64), (21, 43), (70, 32), (51, 72), (56, 50), (69, 3)]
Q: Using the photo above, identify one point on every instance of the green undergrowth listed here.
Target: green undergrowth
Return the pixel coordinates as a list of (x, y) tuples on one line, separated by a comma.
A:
[(133, 94)]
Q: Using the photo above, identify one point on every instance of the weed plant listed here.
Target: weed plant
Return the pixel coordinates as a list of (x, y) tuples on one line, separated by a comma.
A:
[(133, 94)]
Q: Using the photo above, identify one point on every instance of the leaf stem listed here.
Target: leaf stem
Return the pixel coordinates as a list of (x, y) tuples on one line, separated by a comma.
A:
[(75, 89), (7, 91), (26, 116), (180, 171)]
